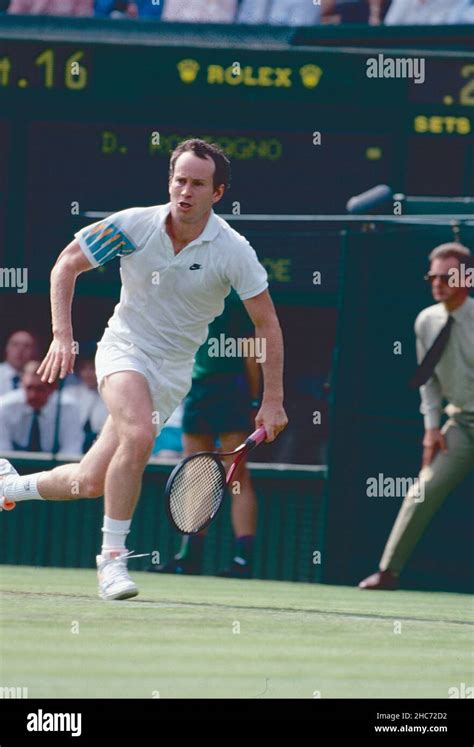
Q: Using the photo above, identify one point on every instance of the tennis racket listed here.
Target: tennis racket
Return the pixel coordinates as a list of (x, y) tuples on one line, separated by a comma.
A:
[(197, 485)]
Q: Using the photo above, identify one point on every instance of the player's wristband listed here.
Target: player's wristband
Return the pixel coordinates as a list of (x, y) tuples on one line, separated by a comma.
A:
[(255, 404)]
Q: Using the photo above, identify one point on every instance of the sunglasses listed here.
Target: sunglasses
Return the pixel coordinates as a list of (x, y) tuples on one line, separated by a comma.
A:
[(431, 276)]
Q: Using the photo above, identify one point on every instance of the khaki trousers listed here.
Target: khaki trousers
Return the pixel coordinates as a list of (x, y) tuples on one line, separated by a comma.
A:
[(440, 478)]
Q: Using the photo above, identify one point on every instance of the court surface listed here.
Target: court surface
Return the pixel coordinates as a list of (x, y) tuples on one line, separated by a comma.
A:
[(188, 637)]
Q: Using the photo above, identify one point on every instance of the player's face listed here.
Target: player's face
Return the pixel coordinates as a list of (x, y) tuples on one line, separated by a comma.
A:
[(443, 288), (37, 392), (191, 188), (20, 349)]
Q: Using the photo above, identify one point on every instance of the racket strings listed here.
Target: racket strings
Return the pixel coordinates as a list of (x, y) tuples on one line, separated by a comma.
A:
[(196, 493)]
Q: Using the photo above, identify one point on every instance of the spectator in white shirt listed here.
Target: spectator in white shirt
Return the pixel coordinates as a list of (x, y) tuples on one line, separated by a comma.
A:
[(200, 11), (280, 12), (92, 410), (28, 417), (429, 12), (20, 348)]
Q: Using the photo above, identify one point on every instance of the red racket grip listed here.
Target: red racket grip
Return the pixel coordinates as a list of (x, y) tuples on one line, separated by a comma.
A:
[(256, 437)]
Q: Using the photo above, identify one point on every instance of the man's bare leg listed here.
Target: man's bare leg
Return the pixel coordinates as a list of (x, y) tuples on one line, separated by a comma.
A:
[(113, 466), (128, 399), (244, 511), (124, 444), (85, 479), (244, 501)]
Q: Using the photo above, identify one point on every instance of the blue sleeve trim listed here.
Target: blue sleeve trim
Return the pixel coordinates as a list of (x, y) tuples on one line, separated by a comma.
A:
[(105, 241)]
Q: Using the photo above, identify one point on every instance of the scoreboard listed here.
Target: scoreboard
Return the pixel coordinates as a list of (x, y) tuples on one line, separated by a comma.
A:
[(88, 120)]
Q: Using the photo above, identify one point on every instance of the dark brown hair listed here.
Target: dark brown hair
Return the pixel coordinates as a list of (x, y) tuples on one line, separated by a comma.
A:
[(201, 149)]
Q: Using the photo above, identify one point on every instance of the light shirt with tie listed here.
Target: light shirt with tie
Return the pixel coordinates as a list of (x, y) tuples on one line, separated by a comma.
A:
[(453, 378), (279, 12), (8, 374), (429, 12), (200, 11), (16, 418)]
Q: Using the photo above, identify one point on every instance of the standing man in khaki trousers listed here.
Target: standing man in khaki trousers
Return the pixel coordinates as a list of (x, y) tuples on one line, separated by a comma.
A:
[(445, 352)]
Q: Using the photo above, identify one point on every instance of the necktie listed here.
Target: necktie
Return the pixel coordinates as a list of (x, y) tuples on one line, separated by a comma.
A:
[(34, 442), (432, 357), (15, 381), (89, 436)]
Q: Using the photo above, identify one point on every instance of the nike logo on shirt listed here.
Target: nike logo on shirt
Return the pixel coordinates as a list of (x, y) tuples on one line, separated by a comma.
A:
[(195, 267)]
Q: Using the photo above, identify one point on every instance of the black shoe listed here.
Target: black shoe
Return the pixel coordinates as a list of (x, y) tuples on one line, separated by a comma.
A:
[(236, 570), (182, 567)]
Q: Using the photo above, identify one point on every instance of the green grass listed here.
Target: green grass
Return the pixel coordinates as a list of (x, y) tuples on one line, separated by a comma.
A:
[(177, 638)]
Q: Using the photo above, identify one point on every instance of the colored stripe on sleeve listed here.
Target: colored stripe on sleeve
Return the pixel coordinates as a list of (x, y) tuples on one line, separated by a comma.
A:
[(105, 241)]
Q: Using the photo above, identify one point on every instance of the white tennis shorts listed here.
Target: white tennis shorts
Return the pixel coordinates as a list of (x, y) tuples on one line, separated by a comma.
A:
[(169, 381)]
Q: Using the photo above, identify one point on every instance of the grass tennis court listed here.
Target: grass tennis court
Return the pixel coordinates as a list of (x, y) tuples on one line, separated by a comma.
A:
[(177, 638)]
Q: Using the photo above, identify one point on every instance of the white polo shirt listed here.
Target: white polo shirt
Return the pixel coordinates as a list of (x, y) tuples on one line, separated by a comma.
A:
[(167, 300)]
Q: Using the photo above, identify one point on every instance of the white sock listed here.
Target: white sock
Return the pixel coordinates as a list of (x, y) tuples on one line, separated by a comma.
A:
[(114, 534), (21, 487)]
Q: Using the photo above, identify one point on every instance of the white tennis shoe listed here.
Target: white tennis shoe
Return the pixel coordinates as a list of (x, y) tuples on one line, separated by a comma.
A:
[(6, 468), (114, 581)]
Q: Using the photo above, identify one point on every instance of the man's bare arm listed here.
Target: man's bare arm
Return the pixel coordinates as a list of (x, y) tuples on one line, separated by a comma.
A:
[(253, 375), (61, 355), (267, 329)]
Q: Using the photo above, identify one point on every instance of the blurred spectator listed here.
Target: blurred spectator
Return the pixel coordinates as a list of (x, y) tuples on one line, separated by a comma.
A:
[(280, 12), (115, 9), (429, 12), (4, 5), (168, 444), (466, 13), (28, 417), (200, 11), (52, 7), (92, 410), (20, 348), (148, 8), (377, 11), (354, 11)]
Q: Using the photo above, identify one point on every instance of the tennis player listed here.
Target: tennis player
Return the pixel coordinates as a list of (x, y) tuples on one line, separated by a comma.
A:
[(178, 262)]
